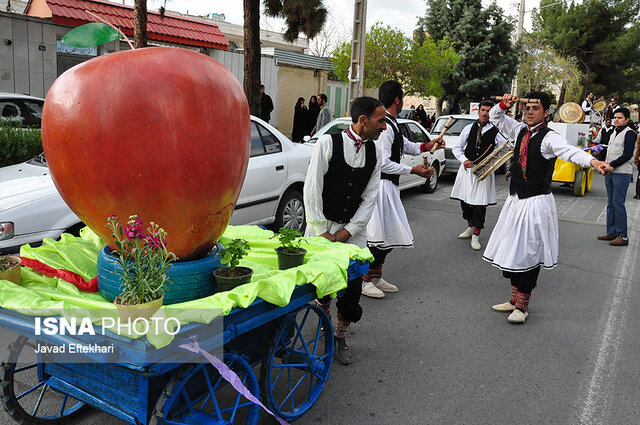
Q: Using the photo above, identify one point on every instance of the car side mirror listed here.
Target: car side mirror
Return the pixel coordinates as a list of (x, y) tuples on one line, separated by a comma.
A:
[(306, 138)]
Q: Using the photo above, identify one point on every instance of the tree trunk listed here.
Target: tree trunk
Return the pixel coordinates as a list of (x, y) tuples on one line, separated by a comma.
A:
[(252, 55), (563, 90), (439, 102), (140, 24)]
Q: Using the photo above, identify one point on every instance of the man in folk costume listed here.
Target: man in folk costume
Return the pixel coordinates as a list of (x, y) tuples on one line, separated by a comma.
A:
[(340, 190), (389, 227), (526, 234), (476, 142)]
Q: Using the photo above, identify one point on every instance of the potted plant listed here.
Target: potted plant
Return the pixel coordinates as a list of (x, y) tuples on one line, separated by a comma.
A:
[(231, 276), (10, 268), (144, 262), (289, 252)]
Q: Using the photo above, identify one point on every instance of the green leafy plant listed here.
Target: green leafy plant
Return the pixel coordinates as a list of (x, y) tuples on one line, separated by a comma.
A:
[(233, 253), (6, 262), (290, 239), (18, 143), (143, 258)]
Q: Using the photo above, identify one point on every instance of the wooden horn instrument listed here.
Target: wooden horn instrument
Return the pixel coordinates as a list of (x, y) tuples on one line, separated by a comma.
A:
[(520, 100), (425, 155)]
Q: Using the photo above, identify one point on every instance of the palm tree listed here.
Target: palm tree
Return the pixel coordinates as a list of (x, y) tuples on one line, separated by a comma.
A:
[(140, 24), (306, 16)]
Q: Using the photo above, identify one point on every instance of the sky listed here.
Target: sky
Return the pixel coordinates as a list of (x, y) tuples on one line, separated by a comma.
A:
[(403, 18)]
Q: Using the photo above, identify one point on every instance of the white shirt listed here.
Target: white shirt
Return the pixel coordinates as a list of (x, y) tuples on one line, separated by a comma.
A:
[(553, 145), (313, 184), (461, 144), (385, 141)]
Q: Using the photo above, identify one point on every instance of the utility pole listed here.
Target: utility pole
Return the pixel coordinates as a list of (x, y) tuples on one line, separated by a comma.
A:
[(514, 83), (356, 71)]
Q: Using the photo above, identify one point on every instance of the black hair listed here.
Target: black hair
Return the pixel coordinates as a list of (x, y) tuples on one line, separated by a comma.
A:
[(488, 103), (323, 97), (364, 106), (261, 86), (540, 95), (623, 111), (388, 92)]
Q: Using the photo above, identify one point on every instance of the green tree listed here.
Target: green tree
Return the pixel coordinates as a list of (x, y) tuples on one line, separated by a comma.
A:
[(604, 37), (390, 55), (300, 16), (482, 38)]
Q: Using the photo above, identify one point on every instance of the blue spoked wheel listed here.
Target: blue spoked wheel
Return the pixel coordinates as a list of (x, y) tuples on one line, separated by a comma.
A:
[(29, 395), (297, 364), (199, 395)]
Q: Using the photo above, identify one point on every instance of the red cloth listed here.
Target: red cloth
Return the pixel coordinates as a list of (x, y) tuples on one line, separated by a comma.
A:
[(67, 275)]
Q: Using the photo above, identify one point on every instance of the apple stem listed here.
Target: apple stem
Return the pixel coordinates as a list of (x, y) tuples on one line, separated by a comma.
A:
[(112, 26)]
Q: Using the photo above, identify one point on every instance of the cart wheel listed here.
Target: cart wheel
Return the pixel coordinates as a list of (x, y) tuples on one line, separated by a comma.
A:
[(27, 394), (296, 367), (589, 179), (580, 183), (198, 395)]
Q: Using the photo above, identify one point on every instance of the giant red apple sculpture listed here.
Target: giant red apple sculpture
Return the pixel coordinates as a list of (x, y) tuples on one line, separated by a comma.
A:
[(160, 132)]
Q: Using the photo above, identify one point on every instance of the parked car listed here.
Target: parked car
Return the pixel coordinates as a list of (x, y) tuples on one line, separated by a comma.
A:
[(21, 108), (451, 138), (31, 208), (412, 131)]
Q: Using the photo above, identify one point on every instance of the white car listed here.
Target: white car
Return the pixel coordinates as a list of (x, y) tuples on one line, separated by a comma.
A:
[(451, 138), (412, 131), (31, 208)]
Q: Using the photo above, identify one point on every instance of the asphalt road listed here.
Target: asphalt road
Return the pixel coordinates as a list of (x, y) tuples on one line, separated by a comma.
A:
[(435, 353)]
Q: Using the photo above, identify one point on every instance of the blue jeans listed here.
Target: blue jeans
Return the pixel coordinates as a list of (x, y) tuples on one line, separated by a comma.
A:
[(617, 185)]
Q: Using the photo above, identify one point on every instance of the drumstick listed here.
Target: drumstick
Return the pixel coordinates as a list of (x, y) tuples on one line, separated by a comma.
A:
[(446, 127), (521, 100)]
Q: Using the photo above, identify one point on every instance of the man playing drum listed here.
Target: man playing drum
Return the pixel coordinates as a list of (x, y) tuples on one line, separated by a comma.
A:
[(476, 142), (526, 234)]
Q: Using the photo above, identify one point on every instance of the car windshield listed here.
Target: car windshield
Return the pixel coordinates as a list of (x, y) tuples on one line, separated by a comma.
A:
[(332, 127), (456, 127), (38, 160)]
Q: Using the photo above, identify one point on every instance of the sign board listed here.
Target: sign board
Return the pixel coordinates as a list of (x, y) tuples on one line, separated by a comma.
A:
[(474, 107)]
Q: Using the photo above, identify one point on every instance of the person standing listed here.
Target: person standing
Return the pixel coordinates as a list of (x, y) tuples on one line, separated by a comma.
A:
[(603, 137), (421, 115), (314, 110), (300, 118), (324, 116), (266, 105), (476, 142), (525, 237), (340, 190), (587, 107), (389, 227), (610, 109), (620, 157), (636, 161)]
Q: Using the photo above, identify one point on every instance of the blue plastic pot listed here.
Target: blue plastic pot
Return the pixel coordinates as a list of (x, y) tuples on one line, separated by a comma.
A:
[(188, 280)]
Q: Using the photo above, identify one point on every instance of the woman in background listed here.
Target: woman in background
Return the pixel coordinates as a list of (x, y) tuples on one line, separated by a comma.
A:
[(421, 115), (300, 121), (314, 110)]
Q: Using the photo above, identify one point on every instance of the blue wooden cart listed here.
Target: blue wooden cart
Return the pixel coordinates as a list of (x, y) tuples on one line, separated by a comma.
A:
[(291, 346)]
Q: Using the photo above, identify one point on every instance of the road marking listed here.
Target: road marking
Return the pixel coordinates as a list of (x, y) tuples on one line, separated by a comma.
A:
[(594, 407)]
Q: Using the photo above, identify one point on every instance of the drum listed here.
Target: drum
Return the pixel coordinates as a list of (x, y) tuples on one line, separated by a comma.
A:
[(491, 163), (571, 113)]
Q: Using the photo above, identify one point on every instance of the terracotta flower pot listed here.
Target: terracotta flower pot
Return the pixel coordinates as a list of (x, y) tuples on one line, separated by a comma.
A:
[(137, 311), (13, 274), (226, 282), (287, 260)]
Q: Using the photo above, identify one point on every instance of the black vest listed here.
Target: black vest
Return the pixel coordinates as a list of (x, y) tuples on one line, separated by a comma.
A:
[(396, 152), (487, 141), (606, 136), (343, 184), (539, 169)]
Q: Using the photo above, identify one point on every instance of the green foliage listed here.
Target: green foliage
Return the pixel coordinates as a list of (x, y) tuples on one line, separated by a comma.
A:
[(542, 68), (482, 39), (18, 143), (290, 239), (234, 252), (603, 35), (390, 55), (301, 16)]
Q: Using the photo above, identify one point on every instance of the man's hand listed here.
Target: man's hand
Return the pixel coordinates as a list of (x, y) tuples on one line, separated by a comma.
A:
[(423, 171), (602, 167), (342, 235), (329, 236), (468, 164), (509, 100)]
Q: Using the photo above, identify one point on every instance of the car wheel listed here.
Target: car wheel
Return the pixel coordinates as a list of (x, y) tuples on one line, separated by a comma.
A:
[(290, 212), (431, 183)]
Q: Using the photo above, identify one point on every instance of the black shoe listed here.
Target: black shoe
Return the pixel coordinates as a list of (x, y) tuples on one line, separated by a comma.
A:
[(341, 351), (636, 197)]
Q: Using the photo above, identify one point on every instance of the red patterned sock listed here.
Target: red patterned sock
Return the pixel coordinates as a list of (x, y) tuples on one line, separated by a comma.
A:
[(325, 306), (469, 223), (341, 328), (373, 273), (476, 231), (514, 295), (522, 303)]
